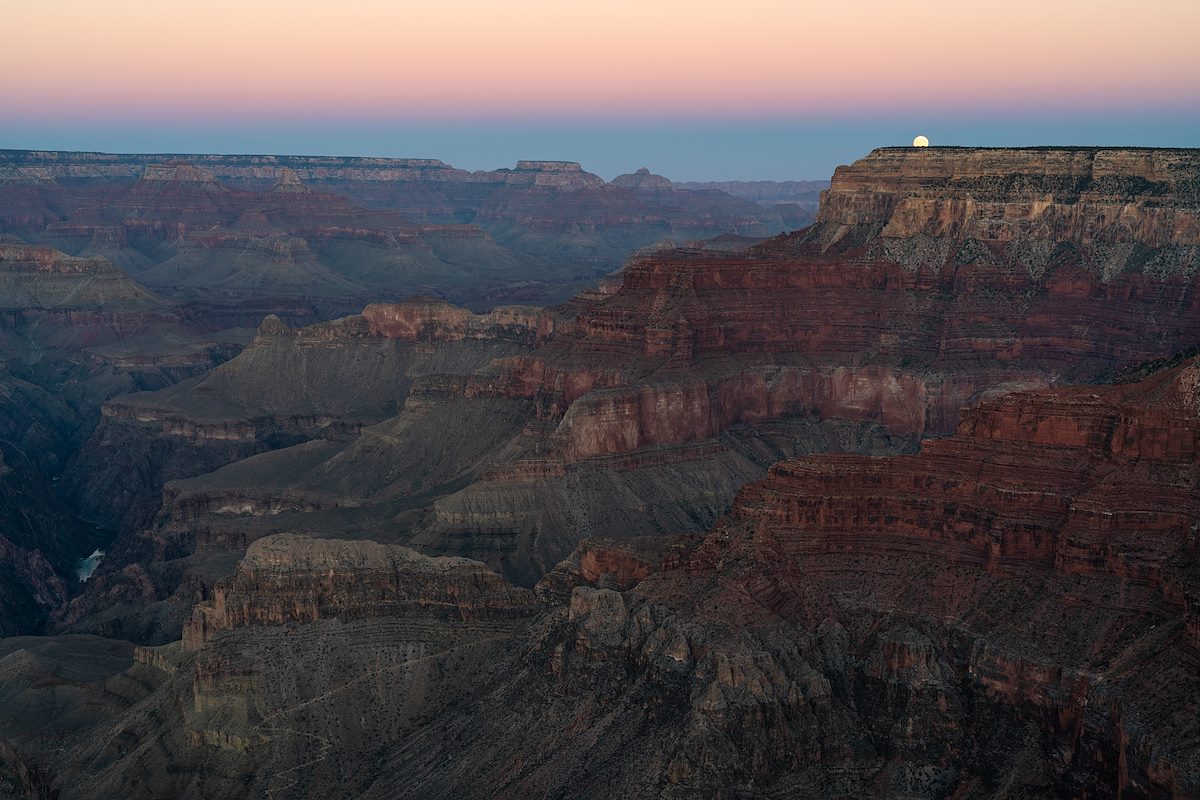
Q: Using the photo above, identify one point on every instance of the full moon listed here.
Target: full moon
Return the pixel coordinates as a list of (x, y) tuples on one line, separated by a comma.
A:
[(921, 141)]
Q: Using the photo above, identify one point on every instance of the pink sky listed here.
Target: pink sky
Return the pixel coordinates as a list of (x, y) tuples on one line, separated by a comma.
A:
[(183, 59)]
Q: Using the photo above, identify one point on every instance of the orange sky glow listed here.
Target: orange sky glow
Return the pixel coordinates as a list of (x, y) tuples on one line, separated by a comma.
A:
[(460, 59)]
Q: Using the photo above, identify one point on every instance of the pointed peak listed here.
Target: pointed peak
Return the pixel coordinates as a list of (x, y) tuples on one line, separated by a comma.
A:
[(273, 326), (289, 181)]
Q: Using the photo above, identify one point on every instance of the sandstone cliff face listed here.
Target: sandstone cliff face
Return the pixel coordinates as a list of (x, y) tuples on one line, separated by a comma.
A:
[(1113, 211)]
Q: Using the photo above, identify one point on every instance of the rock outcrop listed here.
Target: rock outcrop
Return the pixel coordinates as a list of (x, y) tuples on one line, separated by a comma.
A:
[(290, 579), (643, 178), (299, 669)]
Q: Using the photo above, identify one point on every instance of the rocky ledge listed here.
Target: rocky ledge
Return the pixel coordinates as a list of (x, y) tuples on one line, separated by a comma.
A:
[(1113, 210), (289, 578)]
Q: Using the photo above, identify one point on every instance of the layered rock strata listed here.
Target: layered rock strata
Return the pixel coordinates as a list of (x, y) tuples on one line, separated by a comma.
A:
[(1009, 613), (931, 281), (291, 579), (344, 232)]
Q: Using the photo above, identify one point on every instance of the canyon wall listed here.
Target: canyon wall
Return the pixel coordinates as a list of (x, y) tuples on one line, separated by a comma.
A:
[(918, 292), (1009, 612), (74, 331)]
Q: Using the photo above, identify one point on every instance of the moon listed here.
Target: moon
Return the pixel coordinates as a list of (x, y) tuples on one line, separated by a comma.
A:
[(921, 141)]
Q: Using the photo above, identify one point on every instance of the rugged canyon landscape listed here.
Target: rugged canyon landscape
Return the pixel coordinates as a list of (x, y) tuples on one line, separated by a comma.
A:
[(350, 477)]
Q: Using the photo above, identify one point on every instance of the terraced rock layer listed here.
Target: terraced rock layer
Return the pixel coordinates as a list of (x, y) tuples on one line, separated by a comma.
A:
[(342, 232), (931, 281), (1009, 613)]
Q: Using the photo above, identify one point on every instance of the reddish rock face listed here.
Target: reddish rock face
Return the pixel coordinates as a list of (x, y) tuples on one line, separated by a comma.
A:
[(436, 320), (1100, 481), (1009, 613)]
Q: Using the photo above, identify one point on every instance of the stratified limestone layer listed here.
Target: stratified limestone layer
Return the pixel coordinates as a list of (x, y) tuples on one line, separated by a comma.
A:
[(285, 579)]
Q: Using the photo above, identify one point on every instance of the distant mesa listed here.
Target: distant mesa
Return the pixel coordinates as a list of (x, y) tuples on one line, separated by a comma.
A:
[(558, 174), (642, 179), (178, 172), (549, 166), (272, 325)]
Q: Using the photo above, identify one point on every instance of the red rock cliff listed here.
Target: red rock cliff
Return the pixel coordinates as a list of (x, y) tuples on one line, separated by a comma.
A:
[(1018, 601)]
